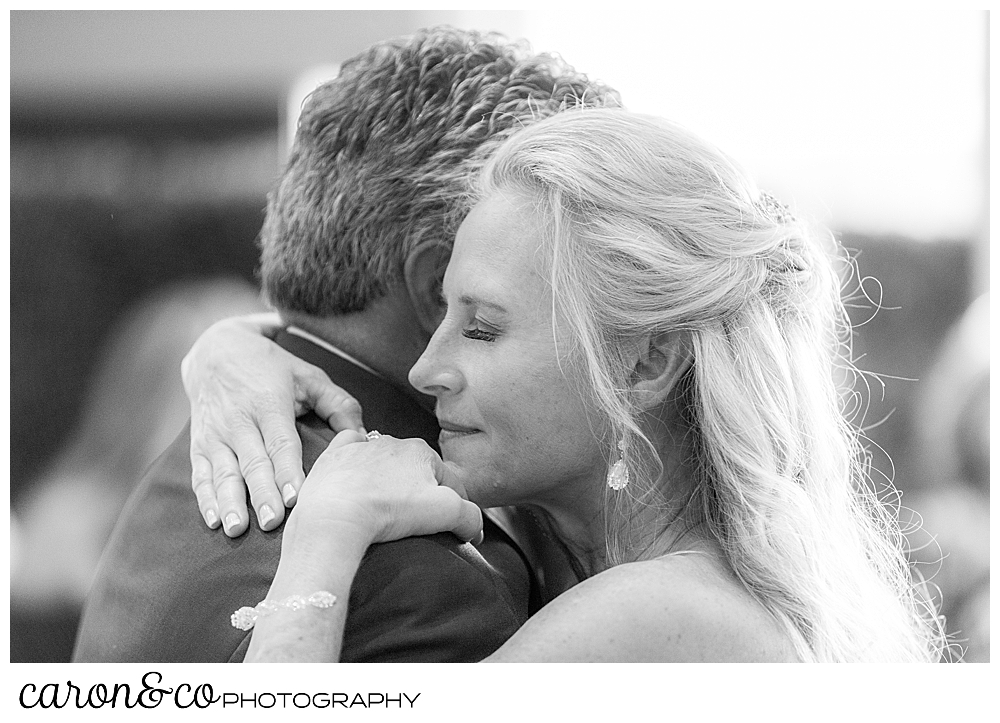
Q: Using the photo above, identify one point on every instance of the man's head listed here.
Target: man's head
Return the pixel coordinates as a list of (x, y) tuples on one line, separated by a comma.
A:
[(381, 158)]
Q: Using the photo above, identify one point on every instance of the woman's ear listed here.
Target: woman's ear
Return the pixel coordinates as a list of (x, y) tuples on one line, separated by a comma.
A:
[(423, 271), (663, 360)]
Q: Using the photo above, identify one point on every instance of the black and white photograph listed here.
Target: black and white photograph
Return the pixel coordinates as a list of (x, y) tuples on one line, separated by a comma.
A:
[(563, 334)]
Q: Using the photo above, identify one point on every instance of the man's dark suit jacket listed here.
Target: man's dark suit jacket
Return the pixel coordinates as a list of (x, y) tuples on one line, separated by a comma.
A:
[(167, 585)]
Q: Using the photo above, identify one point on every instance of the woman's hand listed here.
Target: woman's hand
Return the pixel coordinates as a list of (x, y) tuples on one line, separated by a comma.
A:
[(357, 493), (386, 489), (245, 393)]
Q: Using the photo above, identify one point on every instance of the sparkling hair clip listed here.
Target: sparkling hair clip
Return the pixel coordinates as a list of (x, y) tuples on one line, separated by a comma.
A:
[(246, 617), (774, 209)]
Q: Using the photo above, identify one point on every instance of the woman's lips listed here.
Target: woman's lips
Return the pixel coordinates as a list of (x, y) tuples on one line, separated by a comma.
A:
[(450, 431)]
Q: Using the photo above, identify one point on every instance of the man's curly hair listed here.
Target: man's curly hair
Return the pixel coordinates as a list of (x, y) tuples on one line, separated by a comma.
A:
[(383, 153)]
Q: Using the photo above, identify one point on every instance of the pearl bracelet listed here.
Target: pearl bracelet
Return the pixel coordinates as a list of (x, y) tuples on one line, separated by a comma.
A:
[(246, 617)]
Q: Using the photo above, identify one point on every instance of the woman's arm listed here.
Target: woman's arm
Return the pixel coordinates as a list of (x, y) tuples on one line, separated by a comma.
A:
[(684, 608), (309, 564), (245, 392), (357, 493)]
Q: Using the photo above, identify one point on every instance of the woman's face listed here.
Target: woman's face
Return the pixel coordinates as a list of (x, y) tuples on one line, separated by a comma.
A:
[(513, 421)]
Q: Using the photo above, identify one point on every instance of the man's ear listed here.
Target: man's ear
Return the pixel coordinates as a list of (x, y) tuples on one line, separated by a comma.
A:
[(423, 271), (663, 360)]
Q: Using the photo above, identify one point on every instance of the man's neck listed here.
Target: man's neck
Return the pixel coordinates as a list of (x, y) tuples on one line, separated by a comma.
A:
[(385, 336)]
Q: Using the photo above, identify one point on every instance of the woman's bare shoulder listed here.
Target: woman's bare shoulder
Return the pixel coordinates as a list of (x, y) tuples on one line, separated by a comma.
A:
[(676, 608)]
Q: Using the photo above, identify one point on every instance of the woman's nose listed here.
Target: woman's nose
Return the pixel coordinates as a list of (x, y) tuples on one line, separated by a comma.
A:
[(434, 372)]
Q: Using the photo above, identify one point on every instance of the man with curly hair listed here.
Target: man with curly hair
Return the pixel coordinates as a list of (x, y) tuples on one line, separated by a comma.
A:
[(354, 244)]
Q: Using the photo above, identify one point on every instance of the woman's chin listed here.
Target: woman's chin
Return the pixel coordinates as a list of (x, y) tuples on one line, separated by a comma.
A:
[(479, 482), (462, 449)]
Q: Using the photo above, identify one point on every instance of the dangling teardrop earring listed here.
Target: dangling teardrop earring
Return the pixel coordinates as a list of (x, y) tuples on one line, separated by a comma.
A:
[(618, 474)]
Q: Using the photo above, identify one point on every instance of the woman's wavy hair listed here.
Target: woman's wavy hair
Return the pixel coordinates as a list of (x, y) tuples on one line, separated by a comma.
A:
[(650, 230)]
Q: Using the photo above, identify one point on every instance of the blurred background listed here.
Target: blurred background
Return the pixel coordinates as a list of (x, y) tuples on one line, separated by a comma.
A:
[(143, 144)]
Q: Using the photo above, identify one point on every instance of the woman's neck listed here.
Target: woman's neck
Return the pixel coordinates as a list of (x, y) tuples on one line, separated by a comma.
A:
[(663, 522), (571, 518)]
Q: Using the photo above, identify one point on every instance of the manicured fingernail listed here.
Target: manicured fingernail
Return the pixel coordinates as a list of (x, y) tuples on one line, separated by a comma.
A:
[(266, 515), (211, 519), (232, 519), (288, 494)]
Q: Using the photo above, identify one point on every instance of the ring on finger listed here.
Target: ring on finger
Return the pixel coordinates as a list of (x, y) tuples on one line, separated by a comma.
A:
[(372, 435)]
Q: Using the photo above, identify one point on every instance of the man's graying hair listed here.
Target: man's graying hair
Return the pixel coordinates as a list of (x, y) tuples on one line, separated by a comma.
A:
[(383, 154)]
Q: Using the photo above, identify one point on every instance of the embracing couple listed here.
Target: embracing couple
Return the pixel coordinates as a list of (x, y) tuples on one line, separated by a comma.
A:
[(630, 351)]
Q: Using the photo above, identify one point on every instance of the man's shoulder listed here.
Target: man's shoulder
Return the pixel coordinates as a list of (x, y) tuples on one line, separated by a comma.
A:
[(434, 599), (487, 570), (167, 584)]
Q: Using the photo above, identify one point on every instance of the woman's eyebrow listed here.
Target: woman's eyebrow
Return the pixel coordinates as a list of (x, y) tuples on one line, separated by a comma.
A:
[(472, 300)]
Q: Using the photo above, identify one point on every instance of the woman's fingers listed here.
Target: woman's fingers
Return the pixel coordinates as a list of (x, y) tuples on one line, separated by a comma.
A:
[(447, 475), (314, 390), (468, 515), (284, 450), (256, 469), (408, 486), (204, 489), (460, 517), (345, 437), (243, 390), (230, 491), (394, 485), (427, 511)]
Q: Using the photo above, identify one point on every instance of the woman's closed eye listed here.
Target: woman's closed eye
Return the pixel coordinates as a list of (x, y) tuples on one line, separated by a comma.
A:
[(478, 333)]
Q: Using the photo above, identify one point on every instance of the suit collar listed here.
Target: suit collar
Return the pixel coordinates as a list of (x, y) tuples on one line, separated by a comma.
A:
[(324, 344), (386, 407)]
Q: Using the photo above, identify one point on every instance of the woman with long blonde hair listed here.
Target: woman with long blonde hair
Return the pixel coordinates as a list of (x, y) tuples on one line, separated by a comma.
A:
[(640, 351)]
